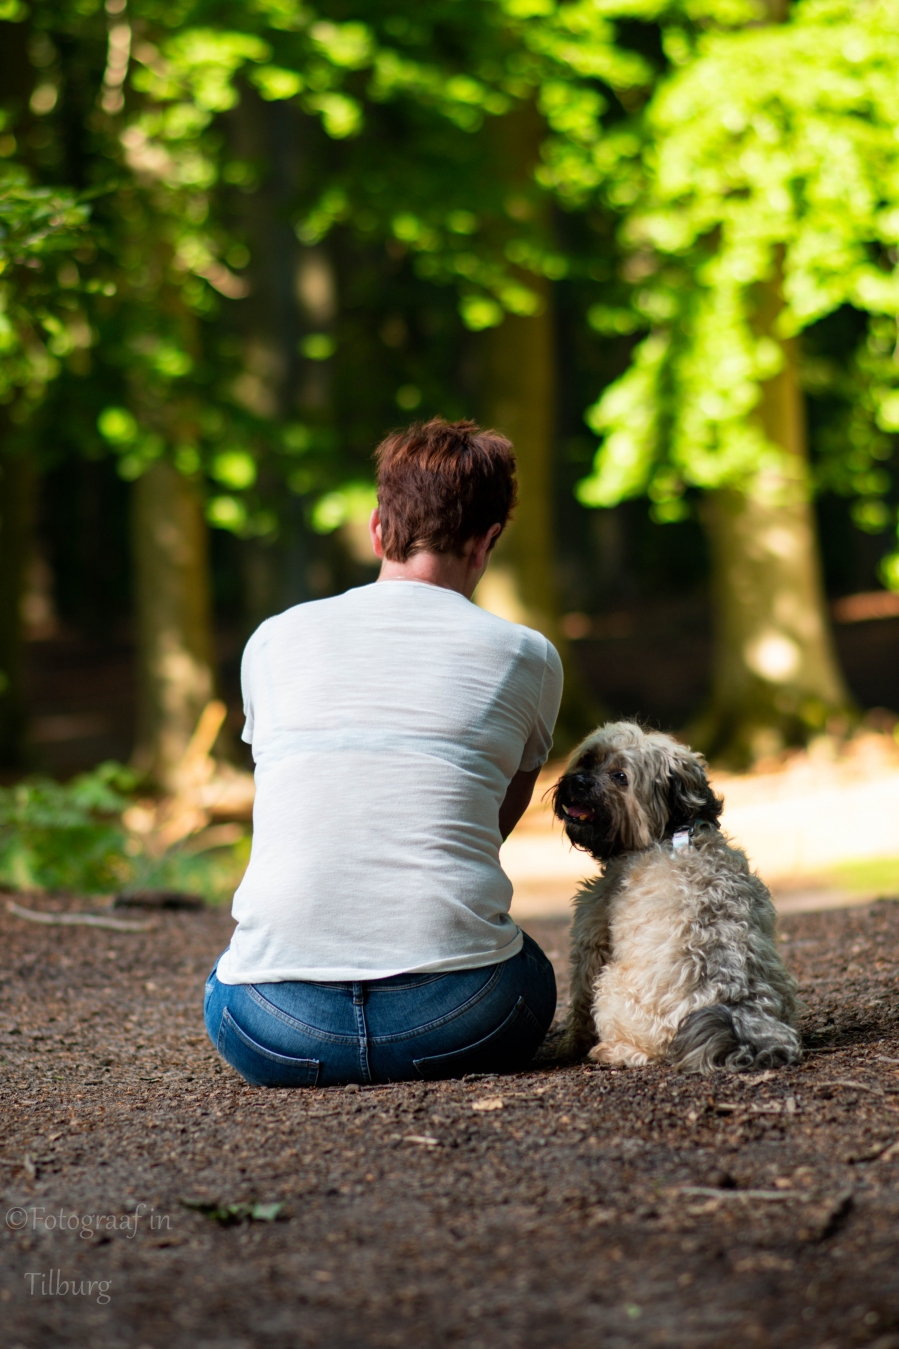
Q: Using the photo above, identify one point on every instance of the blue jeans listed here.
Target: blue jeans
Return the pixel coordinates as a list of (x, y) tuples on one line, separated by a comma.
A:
[(488, 1020)]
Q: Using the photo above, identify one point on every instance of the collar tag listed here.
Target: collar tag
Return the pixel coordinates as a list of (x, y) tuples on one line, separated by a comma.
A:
[(682, 839)]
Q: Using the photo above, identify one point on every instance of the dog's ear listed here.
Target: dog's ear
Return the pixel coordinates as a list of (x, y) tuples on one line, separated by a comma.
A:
[(690, 797)]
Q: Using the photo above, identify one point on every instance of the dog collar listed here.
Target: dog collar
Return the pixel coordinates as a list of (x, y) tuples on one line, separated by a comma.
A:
[(683, 838)]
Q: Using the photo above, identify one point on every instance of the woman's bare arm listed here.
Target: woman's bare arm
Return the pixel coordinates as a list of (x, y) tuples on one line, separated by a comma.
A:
[(517, 799)]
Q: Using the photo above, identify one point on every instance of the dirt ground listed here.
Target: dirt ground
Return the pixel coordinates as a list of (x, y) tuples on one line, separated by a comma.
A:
[(558, 1207)]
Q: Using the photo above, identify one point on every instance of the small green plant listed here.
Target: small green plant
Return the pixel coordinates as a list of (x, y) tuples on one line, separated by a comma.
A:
[(56, 836), (228, 1215), (71, 836), (211, 871)]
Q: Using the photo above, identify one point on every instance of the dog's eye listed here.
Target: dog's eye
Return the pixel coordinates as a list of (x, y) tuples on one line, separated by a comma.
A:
[(617, 776)]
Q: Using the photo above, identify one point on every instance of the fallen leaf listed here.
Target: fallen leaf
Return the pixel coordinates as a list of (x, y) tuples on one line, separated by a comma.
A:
[(227, 1215), (265, 1213), (488, 1103), (425, 1139)]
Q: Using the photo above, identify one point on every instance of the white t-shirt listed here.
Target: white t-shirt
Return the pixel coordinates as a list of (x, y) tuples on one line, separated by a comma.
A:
[(386, 724)]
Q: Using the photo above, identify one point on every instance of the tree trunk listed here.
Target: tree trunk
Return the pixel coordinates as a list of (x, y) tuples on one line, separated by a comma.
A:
[(293, 296), (174, 617), (18, 478), (520, 401), (775, 676), (17, 497), (520, 583)]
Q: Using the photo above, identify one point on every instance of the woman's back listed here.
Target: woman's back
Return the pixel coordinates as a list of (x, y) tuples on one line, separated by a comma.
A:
[(386, 724)]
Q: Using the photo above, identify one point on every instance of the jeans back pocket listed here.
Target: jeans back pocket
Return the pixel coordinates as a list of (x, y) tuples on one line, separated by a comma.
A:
[(505, 1050), (259, 1066)]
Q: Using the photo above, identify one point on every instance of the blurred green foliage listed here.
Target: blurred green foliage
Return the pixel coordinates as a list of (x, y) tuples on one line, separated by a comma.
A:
[(66, 837), (147, 101), (766, 159), (70, 837), (692, 154), (192, 867), (876, 875), (39, 323)]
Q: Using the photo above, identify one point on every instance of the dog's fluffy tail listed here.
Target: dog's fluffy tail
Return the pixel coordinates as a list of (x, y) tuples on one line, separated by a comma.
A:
[(734, 1038)]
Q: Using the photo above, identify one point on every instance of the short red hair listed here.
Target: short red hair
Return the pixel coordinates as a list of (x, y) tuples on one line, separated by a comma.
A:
[(440, 484)]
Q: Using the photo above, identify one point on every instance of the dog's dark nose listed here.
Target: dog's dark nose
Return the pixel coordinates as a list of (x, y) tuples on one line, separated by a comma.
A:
[(581, 782)]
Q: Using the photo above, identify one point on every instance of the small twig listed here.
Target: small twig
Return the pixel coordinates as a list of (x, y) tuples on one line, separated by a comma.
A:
[(884, 1151), (71, 919), (858, 1086), (767, 1195), (848, 1082), (754, 1107), (833, 1215)]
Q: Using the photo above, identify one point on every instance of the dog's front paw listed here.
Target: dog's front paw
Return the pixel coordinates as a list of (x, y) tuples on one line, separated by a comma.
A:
[(616, 1054), (561, 1047), (551, 1048), (577, 1039)]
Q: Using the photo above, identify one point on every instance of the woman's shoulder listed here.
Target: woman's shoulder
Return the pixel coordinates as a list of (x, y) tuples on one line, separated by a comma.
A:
[(526, 645), (308, 614), (529, 641)]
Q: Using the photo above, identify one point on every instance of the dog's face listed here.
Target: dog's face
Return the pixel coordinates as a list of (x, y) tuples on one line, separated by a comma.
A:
[(626, 788)]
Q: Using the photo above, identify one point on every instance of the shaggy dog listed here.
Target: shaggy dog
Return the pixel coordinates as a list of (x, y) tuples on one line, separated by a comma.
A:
[(673, 948)]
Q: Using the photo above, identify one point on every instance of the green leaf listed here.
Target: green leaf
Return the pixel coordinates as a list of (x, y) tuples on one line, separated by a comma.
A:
[(266, 1213), (117, 425), (889, 571), (479, 312), (226, 512), (318, 346), (350, 45), (341, 115), (229, 1215), (356, 501), (234, 468), (274, 82)]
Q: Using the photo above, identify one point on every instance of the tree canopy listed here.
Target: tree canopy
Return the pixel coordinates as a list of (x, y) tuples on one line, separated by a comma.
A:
[(143, 101), (281, 222), (40, 227), (766, 156), (734, 156)]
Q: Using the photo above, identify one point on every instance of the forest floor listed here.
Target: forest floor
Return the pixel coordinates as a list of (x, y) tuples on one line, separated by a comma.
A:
[(569, 1206)]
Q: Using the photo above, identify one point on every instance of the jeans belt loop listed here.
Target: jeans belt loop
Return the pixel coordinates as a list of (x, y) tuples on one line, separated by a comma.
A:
[(358, 995)]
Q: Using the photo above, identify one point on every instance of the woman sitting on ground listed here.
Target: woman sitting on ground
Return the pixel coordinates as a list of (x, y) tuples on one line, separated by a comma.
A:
[(397, 732)]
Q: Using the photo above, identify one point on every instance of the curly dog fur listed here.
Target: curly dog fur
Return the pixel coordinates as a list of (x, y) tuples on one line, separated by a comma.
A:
[(674, 957)]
